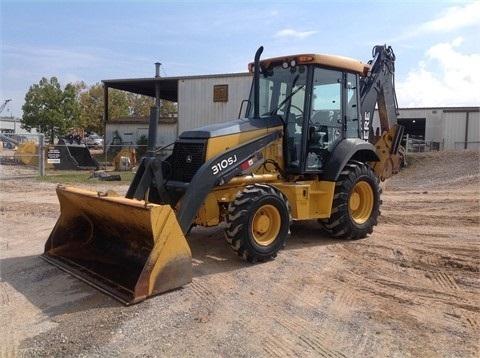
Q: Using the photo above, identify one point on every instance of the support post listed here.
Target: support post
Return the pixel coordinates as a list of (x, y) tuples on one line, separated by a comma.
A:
[(41, 155)]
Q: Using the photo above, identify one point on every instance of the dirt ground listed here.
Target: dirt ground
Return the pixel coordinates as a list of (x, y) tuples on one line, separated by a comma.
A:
[(411, 289)]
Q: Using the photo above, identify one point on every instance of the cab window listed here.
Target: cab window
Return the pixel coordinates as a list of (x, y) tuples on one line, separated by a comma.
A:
[(352, 124)]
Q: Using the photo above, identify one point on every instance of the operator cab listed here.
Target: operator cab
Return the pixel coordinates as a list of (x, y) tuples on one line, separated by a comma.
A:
[(318, 104)]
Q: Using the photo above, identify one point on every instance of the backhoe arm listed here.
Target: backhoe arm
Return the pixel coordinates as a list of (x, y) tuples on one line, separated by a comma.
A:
[(377, 89)]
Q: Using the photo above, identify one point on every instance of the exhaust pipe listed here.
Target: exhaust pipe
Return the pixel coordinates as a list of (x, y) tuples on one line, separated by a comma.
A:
[(256, 83)]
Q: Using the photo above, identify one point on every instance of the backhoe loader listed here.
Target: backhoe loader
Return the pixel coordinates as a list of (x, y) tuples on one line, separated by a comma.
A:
[(307, 149)]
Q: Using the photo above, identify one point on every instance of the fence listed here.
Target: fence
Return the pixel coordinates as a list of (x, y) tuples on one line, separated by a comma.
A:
[(419, 145), (27, 155), (20, 155)]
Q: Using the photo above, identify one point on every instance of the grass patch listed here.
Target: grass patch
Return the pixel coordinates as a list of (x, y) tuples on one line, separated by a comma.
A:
[(82, 177)]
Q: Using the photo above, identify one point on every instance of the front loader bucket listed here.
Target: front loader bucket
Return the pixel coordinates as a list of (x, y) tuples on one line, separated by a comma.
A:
[(127, 248)]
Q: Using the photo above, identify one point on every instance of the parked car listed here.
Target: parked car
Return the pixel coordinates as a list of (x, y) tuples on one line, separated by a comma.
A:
[(94, 141)]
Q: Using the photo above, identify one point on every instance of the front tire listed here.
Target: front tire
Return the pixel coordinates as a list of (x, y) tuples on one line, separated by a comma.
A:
[(356, 203), (258, 223)]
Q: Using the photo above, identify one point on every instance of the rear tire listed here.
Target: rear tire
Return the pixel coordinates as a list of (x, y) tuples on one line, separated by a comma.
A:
[(258, 223), (356, 203)]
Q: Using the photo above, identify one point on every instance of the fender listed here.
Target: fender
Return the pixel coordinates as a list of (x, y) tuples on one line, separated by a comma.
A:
[(348, 149)]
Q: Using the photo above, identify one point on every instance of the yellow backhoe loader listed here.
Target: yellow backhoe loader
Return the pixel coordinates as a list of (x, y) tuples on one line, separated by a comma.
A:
[(308, 149)]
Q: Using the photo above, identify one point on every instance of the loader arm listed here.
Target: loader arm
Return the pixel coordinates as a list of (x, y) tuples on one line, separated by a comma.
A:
[(244, 157)]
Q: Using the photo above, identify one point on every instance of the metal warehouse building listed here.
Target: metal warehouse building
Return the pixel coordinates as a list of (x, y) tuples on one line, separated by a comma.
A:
[(13, 125), (211, 99), (441, 128)]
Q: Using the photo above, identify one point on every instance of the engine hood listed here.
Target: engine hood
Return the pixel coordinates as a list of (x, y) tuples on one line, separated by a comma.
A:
[(232, 127)]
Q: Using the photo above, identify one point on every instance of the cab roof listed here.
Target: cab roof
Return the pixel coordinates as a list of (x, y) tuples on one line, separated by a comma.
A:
[(333, 61)]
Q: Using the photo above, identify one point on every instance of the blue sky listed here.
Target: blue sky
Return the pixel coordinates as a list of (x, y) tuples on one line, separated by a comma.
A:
[(437, 43)]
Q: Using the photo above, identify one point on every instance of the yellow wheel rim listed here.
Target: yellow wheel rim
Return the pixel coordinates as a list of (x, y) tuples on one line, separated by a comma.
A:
[(266, 225), (360, 204)]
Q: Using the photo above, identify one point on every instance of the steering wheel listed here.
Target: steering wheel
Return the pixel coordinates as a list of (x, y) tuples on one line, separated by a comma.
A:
[(299, 117), (297, 108)]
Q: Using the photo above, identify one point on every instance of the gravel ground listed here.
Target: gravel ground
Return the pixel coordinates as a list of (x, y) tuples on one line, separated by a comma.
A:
[(411, 289)]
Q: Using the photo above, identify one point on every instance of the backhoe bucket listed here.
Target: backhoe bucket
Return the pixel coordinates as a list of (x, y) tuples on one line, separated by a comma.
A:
[(127, 248)]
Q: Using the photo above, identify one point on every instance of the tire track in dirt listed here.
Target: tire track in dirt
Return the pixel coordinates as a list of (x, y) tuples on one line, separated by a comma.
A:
[(412, 208), (439, 284), (275, 347), (281, 323), (443, 279), (438, 287), (223, 307), (336, 298), (343, 299), (201, 291), (313, 343), (359, 288), (294, 334), (472, 322), (456, 319)]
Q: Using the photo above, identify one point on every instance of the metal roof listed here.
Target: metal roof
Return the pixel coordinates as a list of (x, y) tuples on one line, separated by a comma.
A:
[(146, 86), (168, 85)]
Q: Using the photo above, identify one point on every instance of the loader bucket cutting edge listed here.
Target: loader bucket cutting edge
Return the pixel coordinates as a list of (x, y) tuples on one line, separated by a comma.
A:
[(120, 246)]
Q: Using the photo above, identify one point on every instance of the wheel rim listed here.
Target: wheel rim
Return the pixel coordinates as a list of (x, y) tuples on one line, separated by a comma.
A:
[(266, 225), (360, 204)]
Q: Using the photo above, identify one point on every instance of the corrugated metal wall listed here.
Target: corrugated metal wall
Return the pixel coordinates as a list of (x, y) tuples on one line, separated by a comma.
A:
[(196, 107), (131, 132), (462, 129), (454, 130), (474, 130)]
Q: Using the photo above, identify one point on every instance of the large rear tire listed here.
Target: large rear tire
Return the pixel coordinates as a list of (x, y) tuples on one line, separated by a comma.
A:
[(258, 223), (356, 203)]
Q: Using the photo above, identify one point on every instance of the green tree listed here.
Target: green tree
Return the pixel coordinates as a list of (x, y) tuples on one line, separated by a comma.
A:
[(168, 108), (139, 105), (118, 105), (49, 109), (91, 104), (142, 145)]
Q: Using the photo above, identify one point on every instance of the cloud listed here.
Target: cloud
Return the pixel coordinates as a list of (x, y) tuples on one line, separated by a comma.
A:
[(450, 20), (289, 33), (19, 71), (48, 61), (444, 77), (454, 18)]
